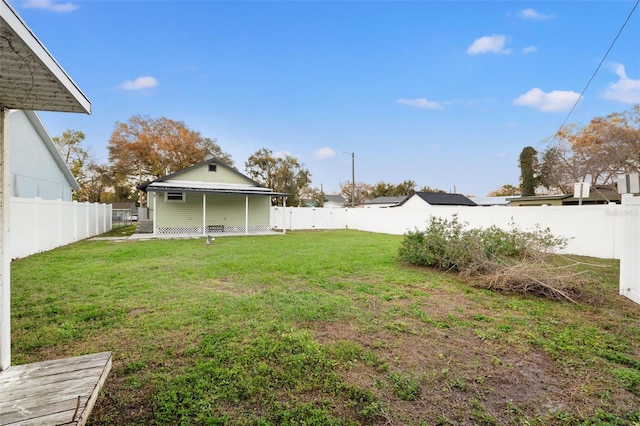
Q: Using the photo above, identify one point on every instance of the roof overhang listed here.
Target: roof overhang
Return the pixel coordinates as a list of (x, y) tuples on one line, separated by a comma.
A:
[(30, 78), (204, 188)]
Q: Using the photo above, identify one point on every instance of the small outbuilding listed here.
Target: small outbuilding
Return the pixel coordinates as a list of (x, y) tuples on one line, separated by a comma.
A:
[(208, 198)]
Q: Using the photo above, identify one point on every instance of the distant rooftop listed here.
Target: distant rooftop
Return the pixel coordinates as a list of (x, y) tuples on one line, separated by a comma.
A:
[(386, 200), (442, 199)]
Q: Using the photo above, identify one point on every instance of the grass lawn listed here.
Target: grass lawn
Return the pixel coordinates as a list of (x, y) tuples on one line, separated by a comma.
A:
[(321, 328)]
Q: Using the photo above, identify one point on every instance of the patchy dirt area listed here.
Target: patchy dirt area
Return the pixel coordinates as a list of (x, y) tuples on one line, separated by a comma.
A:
[(465, 377)]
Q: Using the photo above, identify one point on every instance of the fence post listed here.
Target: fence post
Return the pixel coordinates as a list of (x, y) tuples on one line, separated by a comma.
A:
[(37, 224), (87, 214), (59, 213), (629, 276)]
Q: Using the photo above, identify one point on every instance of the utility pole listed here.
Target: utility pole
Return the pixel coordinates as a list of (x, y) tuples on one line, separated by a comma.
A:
[(353, 177)]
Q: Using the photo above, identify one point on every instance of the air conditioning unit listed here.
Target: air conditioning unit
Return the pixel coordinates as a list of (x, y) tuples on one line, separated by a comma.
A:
[(629, 183)]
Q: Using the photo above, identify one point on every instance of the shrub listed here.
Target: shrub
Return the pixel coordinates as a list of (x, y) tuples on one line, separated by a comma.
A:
[(508, 260), (447, 244)]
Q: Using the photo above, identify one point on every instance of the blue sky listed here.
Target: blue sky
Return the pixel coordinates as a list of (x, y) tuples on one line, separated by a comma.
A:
[(443, 93)]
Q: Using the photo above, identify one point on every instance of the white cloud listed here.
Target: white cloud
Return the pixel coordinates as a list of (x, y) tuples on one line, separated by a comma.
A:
[(324, 153), (624, 90), (49, 5), (554, 101), (421, 103), (489, 44), (534, 15), (530, 49), (140, 83)]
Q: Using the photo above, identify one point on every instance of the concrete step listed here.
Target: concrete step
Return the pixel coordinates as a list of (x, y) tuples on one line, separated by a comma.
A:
[(145, 226)]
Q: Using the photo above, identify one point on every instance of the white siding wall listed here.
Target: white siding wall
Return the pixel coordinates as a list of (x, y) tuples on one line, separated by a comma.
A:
[(176, 214), (229, 210), (202, 174), (42, 178)]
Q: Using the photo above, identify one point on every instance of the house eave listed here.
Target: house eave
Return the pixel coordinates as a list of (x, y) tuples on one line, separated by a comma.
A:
[(30, 77), (214, 190)]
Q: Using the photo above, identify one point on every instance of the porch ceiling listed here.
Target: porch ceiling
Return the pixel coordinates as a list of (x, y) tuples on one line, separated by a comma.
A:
[(210, 187), (30, 78), (214, 191)]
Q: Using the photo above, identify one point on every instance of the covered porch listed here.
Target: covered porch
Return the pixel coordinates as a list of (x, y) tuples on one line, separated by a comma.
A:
[(188, 211)]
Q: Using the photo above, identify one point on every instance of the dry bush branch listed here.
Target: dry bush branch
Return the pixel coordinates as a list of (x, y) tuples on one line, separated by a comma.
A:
[(512, 260), (526, 277)]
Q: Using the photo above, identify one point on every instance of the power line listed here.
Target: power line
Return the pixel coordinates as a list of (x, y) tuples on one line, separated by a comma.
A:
[(597, 69)]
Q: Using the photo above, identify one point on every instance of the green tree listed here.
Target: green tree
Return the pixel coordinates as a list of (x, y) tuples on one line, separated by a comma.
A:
[(280, 173), (505, 191), (528, 171), (314, 197), (597, 152), (362, 192), (77, 158), (144, 149), (384, 189), (429, 189)]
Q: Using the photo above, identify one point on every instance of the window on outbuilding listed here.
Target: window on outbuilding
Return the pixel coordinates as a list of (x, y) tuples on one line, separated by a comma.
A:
[(213, 167), (174, 197)]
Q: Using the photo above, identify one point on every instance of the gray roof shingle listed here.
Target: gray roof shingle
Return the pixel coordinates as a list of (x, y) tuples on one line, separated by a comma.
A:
[(442, 199)]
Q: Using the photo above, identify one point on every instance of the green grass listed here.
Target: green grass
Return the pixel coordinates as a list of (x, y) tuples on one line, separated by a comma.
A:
[(320, 328), (122, 231)]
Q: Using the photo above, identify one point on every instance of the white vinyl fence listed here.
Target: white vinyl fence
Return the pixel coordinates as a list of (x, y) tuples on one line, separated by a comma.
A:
[(607, 231), (591, 230), (38, 225), (630, 259)]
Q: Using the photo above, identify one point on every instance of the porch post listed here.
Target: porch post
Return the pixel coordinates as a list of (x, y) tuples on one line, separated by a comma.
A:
[(204, 214), (5, 256), (246, 215), (284, 217), (155, 213)]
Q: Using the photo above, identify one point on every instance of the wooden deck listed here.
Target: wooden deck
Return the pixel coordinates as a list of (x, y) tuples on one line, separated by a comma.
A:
[(60, 392)]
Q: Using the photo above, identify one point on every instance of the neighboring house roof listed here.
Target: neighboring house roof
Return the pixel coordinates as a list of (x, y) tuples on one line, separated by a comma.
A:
[(386, 200), (597, 195), (20, 50), (35, 121), (334, 198), (491, 201), (171, 183), (441, 199)]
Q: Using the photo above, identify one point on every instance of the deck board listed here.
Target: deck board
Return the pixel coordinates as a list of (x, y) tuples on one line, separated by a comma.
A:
[(60, 392)]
